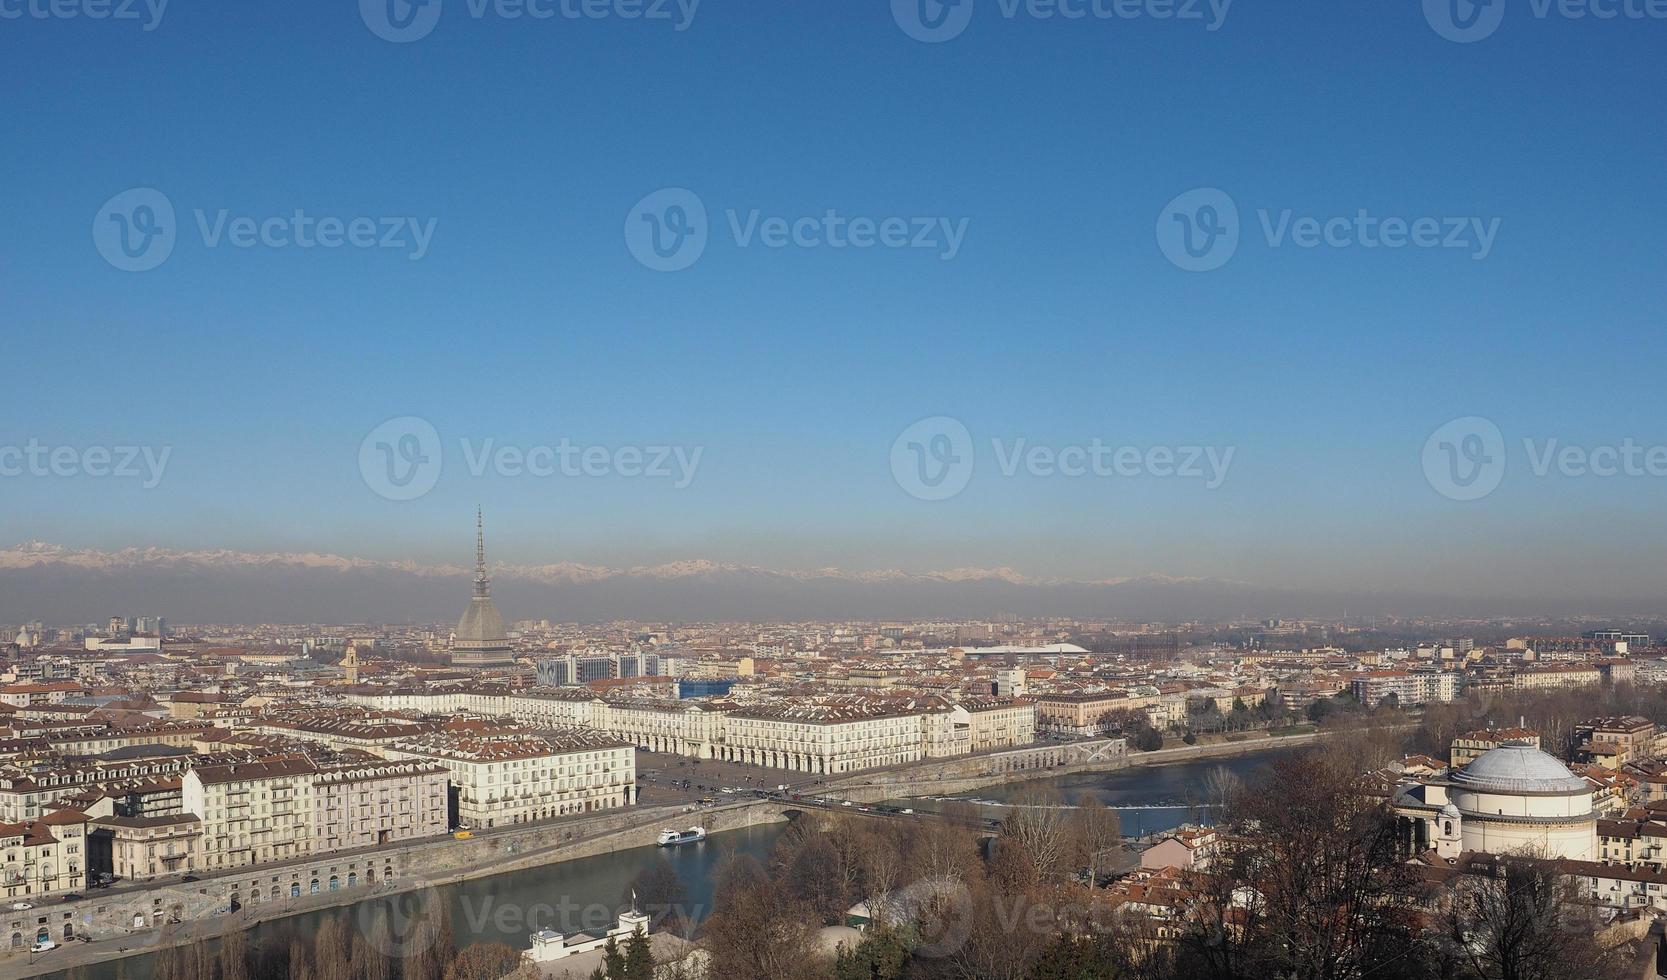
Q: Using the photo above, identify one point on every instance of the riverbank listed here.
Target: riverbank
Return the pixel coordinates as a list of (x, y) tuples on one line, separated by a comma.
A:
[(430, 865), (953, 781)]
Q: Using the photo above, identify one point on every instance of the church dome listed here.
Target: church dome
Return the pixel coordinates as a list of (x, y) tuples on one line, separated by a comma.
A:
[(1518, 769)]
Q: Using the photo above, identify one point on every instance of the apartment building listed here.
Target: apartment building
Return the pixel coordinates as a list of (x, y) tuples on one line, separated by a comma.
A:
[(253, 812), (1614, 742), (143, 848), (662, 726), (44, 856), (998, 722), (835, 736), (1557, 675), (371, 803), (1407, 687), (505, 779), (1082, 713), (1468, 747)]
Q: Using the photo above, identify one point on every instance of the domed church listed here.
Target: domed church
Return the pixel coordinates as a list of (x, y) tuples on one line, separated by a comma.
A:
[(1511, 799)]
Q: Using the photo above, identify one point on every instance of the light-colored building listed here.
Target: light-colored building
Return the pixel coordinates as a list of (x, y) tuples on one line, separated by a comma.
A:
[(378, 803), (252, 812), (518, 778), (1080, 714), (1470, 746), (1557, 675), (143, 848), (1513, 799), (1407, 687), (45, 856)]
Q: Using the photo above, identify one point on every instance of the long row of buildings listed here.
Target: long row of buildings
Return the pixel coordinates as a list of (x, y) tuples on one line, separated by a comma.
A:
[(813, 734)]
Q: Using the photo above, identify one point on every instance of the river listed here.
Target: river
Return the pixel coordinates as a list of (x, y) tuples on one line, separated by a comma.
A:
[(1148, 799), (585, 894)]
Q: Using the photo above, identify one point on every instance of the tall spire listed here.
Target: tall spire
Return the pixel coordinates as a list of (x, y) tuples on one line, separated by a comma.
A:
[(482, 584)]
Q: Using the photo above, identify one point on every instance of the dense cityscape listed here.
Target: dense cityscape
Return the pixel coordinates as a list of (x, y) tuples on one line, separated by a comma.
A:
[(1487, 804)]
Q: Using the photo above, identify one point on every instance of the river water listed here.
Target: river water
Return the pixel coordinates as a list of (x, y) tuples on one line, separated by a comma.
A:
[(1148, 799), (584, 895)]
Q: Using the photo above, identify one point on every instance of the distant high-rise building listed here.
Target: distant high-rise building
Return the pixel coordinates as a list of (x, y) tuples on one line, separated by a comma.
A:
[(481, 640), (557, 672)]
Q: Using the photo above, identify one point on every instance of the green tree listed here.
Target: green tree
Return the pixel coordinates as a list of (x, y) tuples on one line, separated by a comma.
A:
[(882, 955), (613, 961), (639, 957)]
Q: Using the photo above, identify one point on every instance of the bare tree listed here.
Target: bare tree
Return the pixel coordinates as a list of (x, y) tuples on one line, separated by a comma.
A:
[(483, 961), (1521, 920), (1221, 787), (1096, 831), (756, 931), (1039, 829), (300, 961), (234, 956), (332, 951)]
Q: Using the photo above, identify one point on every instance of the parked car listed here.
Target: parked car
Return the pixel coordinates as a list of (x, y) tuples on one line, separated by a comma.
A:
[(43, 946), (21, 906)]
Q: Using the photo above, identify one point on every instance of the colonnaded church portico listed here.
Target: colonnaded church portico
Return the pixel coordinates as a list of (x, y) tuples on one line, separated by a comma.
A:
[(1512, 799)]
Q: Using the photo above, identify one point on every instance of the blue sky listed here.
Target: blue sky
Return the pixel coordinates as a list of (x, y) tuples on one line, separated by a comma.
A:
[(527, 143)]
